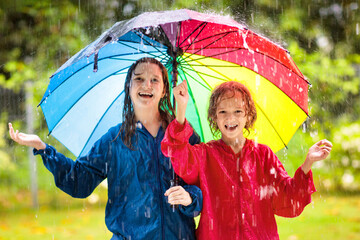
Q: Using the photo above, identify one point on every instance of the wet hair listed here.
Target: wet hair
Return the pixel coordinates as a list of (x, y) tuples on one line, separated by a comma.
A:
[(233, 88), (166, 111)]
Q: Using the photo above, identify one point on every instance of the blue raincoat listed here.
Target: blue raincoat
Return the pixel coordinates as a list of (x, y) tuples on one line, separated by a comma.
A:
[(137, 181)]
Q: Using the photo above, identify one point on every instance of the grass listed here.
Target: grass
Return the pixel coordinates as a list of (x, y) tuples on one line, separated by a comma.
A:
[(328, 217)]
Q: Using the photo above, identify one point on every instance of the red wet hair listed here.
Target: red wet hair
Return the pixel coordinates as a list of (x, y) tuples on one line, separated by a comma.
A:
[(234, 88)]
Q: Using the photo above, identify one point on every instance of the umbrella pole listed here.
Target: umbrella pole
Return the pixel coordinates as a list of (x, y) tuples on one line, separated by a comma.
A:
[(175, 178)]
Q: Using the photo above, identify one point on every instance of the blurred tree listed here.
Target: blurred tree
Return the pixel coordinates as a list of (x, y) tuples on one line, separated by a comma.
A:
[(37, 37)]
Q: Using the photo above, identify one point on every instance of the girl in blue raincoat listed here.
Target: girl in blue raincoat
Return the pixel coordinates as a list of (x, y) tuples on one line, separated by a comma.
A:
[(130, 157)]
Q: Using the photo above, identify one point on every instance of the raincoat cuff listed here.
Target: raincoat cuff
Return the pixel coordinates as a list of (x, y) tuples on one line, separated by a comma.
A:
[(306, 180), (195, 207), (180, 131), (46, 151)]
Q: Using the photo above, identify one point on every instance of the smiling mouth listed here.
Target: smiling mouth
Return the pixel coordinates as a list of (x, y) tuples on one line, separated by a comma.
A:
[(146, 95), (231, 127)]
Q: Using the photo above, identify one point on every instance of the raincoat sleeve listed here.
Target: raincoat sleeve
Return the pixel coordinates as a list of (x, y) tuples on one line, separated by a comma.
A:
[(195, 207), (184, 157), (77, 178), (291, 195)]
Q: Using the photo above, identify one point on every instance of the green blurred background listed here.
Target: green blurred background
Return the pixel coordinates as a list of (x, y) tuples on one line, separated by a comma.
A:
[(37, 37)]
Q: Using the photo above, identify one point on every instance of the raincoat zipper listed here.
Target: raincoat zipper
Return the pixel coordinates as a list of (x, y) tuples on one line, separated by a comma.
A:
[(160, 192)]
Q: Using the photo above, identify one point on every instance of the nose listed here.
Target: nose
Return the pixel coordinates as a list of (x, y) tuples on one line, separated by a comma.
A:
[(147, 83), (229, 116)]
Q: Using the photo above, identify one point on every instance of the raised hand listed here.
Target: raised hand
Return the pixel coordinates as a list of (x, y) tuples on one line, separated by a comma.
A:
[(30, 140), (319, 151), (178, 195), (182, 97)]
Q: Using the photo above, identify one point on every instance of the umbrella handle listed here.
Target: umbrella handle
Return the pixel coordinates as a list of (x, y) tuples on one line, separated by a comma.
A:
[(174, 182)]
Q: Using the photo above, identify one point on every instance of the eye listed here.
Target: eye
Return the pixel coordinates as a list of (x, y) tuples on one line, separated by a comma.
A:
[(138, 79), (155, 80), (221, 112)]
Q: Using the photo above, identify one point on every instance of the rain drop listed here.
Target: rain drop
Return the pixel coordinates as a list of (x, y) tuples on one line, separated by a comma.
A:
[(256, 68)]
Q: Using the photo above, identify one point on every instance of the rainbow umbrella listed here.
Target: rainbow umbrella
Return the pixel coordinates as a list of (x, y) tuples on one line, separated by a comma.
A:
[(85, 96)]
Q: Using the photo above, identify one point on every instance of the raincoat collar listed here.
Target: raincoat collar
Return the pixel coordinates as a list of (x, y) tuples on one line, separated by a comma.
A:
[(249, 144), (140, 127)]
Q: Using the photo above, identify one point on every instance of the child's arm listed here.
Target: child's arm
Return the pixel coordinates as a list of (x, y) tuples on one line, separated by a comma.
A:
[(182, 97), (319, 151), (76, 178), (293, 194), (29, 140), (184, 157)]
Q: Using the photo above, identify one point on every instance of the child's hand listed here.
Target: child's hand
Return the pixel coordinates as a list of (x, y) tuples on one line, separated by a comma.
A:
[(182, 97), (319, 151), (26, 139), (178, 195)]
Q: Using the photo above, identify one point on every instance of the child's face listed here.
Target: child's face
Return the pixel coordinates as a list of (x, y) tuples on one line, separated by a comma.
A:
[(146, 86), (231, 117)]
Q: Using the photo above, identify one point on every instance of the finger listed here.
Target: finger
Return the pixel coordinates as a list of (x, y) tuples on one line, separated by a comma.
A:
[(183, 88), (325, 148), (327, 151), (176, 199), (184, 200), (324, 142), (11, 131), (176, 194), (171, 190), (185, 84), (15, 135)]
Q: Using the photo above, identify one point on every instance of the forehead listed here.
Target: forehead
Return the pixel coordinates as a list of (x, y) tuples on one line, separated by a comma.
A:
[(147, 68), (234, 97)]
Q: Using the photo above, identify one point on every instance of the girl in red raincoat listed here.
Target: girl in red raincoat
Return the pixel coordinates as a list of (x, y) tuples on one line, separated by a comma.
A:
[(243, 183)]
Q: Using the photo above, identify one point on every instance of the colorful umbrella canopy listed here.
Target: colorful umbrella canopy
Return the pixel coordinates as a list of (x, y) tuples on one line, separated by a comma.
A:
[(84, 97)]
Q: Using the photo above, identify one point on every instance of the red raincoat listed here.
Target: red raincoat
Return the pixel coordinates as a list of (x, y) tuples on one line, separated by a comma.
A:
[(241, 192)]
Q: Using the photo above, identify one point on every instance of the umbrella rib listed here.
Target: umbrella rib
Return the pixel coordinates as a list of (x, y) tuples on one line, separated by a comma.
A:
[(210, 56), (208, 86), (80, 97), (149, 43), (195, 105), (200, 49), (222, 35), (202, 28), (156, 48), (225, 78), (268, 120), (92, 133)]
